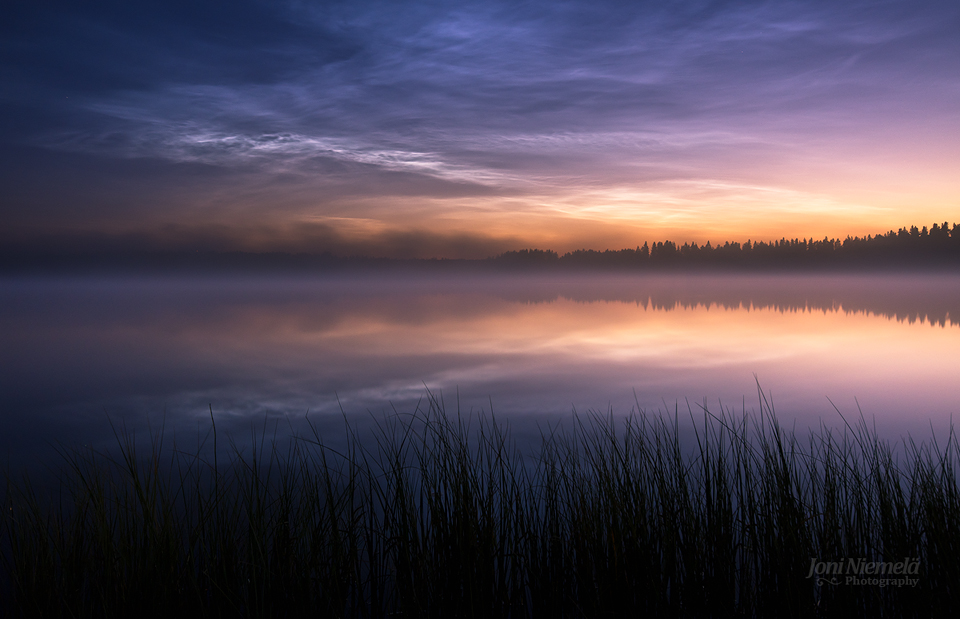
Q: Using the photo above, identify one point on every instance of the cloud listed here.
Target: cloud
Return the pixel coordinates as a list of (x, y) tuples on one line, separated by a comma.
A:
[(369, 238), (577, 109)]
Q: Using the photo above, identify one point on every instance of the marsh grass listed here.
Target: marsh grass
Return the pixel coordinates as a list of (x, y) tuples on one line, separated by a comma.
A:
[(441, 516)]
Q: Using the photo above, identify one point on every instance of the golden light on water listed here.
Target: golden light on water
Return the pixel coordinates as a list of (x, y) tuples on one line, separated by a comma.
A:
[(485, 340)]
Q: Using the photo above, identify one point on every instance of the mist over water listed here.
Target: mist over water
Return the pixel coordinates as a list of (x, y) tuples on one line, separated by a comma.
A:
[(81, 353)]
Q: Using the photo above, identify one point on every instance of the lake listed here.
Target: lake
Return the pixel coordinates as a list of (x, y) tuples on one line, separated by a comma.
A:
[(83, 355)]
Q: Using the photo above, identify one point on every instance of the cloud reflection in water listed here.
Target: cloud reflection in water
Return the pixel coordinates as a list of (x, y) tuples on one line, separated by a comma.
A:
[(536, 346)]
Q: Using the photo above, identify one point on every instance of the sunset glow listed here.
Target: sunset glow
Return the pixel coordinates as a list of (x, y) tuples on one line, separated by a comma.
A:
[(437, 130)]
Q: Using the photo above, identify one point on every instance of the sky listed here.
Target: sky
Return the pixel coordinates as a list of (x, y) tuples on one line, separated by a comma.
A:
[(464, 129)]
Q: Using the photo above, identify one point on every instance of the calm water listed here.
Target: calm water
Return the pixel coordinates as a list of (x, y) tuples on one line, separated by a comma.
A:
[(78, 354)]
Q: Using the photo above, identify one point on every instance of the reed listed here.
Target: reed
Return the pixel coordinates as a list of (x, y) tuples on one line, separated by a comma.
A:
[(442, 516)]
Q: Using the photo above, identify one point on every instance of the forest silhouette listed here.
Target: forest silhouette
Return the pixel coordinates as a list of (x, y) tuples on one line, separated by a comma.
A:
[(938, 246)]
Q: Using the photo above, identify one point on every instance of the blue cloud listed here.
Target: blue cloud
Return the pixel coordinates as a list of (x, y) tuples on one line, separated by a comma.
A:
[(471, 95)]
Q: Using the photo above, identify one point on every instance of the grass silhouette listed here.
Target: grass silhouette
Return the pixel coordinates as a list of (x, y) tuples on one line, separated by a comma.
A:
[(441, 516)]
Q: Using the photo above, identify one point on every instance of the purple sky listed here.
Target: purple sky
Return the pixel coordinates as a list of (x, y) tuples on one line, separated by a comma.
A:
[(465, 129)]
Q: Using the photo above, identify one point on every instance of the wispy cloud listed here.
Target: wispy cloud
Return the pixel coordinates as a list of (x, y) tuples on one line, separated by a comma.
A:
[(704, 112)]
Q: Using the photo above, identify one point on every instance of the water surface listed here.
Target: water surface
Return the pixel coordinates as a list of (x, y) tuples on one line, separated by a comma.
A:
[(81, 353)]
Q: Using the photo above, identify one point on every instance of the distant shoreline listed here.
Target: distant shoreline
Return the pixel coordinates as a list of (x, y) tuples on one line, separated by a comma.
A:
[(907, 249), (215, 263)]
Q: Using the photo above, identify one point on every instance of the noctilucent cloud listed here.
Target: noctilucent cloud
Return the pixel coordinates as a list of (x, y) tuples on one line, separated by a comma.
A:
[(423, 129)]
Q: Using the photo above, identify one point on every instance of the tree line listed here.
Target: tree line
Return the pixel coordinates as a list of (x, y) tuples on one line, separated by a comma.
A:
[(937, 246)]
